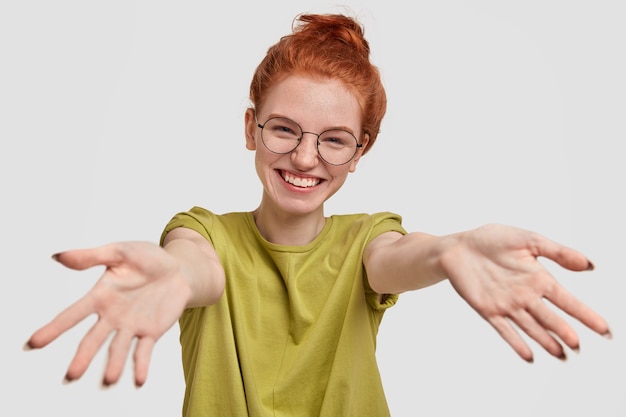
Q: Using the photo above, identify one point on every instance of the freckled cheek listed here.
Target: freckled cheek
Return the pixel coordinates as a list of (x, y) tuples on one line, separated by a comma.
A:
[(265, 164), (339, 173)]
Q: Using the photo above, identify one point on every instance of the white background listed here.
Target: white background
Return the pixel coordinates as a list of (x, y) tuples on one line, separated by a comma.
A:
[(114, 115)]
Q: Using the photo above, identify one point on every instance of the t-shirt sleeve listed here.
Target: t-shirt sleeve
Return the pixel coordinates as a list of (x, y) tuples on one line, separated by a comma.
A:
[(385, 222), (197, 219), (382, 223)]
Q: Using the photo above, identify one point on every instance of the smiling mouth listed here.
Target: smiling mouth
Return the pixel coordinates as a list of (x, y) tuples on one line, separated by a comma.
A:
[(299, 181)]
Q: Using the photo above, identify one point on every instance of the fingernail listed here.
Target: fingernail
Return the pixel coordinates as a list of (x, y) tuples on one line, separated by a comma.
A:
[(590, 266), (576, 349), (563, 357), (27, 346), (67, 380), (530, 360), (104, 385), (55, 257), (608, 334)]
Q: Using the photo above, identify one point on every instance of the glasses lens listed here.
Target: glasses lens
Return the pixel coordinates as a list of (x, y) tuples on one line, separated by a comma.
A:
[(337, 147), (281, 135)]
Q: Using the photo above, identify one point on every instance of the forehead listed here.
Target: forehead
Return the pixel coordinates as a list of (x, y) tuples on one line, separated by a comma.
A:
[(315, 102)]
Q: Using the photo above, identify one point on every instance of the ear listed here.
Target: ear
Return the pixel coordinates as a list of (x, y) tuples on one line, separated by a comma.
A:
[(359, 153), (250, 129)]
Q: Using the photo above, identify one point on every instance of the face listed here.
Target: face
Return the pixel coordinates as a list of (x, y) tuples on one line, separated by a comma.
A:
[(300, 182)]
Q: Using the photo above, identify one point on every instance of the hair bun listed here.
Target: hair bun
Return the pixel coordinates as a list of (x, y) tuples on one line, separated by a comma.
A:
[(329, 27)]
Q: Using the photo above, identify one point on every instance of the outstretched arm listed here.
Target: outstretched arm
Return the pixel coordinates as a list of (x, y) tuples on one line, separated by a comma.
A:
[(495, 268), (141, 294)]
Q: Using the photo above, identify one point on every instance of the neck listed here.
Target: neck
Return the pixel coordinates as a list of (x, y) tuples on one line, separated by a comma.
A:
[(288, 229)]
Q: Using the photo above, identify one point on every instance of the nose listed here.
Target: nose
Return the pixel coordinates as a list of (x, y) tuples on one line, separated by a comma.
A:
[(305, 156)]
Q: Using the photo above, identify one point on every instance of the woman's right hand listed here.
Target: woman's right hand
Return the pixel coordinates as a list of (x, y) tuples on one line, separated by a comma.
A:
[(140, 295)]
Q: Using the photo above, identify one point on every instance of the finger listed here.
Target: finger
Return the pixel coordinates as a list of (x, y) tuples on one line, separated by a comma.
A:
[(564, 256), (81, 259), (143, 352), (550, 321), (87, 349), (564, 300), (118, 352), (64, 321), (512, 337), (536, 330)]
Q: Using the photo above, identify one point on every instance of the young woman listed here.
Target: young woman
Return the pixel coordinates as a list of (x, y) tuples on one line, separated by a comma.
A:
[(279, 308)]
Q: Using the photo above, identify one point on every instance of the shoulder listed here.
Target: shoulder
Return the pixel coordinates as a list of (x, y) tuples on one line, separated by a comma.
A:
[(371, 218), (359, 230), (205, 221), (373, 224)]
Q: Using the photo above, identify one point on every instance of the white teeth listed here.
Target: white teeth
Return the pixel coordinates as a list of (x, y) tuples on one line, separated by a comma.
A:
[(300, 182)]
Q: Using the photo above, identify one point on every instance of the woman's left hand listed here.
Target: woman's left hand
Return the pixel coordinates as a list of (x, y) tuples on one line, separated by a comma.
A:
[(496, 270)]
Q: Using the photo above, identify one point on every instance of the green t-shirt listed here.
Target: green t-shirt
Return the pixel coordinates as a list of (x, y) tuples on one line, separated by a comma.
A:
[(295, 332)]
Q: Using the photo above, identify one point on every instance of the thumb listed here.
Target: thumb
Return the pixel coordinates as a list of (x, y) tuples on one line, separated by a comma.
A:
[(80, 259), (564, 256)]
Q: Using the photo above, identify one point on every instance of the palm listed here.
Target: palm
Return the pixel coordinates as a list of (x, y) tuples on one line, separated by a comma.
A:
[(496, 271), (140, 296)]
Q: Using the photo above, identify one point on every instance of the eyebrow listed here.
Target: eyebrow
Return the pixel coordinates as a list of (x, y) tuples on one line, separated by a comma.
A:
[(341, 127)]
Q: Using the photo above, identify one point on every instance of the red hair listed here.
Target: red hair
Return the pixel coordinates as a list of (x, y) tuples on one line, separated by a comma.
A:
[(331, 46)]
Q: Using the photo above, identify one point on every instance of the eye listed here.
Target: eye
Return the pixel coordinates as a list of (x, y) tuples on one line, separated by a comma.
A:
[(283, 128), (337, 139)]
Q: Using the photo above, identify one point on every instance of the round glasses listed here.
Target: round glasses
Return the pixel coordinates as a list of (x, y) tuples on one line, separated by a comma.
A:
[(282, 136)]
